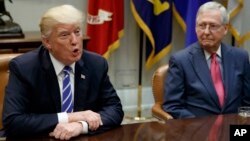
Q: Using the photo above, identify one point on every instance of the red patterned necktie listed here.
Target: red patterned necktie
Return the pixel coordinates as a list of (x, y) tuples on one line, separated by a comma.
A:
[(217, 79)]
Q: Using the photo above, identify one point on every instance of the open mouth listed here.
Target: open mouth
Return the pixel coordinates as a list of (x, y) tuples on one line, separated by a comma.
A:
[(75, 50)]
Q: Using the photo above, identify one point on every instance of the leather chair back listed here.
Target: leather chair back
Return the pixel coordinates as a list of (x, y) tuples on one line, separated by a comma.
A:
[(4, 77), (158, 93)]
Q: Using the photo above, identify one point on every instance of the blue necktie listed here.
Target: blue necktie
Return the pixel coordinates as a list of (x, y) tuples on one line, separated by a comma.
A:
[(67, 99)]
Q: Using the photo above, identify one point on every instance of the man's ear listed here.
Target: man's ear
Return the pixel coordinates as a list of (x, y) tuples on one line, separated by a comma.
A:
[(46, 42), (226, 29)]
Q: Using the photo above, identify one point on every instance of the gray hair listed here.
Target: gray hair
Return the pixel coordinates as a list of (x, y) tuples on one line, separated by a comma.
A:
[(215, 6), (64, 14)]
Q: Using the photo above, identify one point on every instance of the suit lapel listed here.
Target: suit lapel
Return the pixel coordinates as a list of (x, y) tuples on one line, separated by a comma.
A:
[(51, 81), (82, 76), (228, 68), (201, 68)]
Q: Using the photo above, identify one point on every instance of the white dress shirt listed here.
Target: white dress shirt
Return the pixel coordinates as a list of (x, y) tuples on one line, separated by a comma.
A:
[(58, 66), (218, 57)]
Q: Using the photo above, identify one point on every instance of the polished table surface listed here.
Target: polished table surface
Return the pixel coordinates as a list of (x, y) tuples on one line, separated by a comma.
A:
[(193, 129)]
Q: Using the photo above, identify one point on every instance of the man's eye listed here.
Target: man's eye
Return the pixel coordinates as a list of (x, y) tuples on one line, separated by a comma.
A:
[(64, 34), (202, 26), (77, 32), (214, 27)]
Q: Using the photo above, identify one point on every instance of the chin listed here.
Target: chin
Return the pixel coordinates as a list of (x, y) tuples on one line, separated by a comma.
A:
[(207, 44), (77, 58)]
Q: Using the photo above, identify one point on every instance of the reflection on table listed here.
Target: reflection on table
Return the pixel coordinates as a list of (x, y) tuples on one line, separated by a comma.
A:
[(193, 129)]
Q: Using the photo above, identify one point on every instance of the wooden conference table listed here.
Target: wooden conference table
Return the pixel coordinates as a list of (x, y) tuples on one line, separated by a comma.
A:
[(195, 129)]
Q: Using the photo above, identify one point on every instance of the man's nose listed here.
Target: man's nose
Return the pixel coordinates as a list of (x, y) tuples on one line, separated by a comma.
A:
[(207, 30), (73, 38)]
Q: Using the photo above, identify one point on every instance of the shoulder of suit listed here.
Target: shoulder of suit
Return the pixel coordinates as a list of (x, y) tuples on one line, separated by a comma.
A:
[(90, 54)]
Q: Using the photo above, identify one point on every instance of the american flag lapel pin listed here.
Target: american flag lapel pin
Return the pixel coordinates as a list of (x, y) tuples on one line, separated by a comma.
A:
[(83, 76)]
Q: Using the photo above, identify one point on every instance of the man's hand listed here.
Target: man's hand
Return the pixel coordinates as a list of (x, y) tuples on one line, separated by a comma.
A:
[(92, 118), (65, 131)]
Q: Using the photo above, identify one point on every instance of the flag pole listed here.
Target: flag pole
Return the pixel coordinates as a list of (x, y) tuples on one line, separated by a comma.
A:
[(233, 41), (139, 92), (139, 95)]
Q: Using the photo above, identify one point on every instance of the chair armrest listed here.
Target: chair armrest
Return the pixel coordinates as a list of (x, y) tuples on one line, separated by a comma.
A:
[(159, 113)]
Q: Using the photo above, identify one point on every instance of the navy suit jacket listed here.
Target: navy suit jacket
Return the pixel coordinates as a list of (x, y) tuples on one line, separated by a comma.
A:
[(32, 98), (189, 90)]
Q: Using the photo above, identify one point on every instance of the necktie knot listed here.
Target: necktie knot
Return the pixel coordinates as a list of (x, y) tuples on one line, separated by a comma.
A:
[(213, 57), (67, 70)]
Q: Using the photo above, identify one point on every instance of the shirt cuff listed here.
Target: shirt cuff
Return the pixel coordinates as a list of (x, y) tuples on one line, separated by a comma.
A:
[(84, 127), (63, 117)]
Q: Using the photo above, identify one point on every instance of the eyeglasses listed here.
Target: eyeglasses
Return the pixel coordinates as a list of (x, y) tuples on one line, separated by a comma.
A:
[(211, 27)]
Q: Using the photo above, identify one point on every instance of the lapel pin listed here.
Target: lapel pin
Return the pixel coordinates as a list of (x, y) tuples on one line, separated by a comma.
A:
[(83, 76)]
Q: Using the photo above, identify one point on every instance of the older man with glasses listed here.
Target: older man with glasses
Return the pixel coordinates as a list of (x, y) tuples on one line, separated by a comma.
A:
[(209, 77)]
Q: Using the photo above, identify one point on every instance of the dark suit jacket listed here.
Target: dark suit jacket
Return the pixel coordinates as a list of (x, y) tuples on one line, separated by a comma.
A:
[(189, 90), (32, 98)]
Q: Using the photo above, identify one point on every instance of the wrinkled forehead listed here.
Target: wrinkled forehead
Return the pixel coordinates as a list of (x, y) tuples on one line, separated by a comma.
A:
[(210, 16)]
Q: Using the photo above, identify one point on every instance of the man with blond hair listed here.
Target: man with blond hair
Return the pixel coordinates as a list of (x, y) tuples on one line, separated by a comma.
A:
[(60, 89)]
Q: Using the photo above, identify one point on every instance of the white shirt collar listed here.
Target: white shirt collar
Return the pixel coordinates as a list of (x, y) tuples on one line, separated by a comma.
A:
[(58, 66), (218, 52)]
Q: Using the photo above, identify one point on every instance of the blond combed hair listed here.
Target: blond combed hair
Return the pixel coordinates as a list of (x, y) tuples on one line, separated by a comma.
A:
[(63, 14)]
